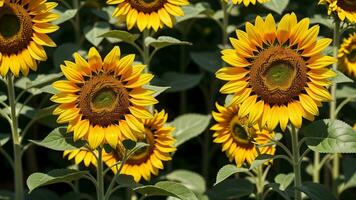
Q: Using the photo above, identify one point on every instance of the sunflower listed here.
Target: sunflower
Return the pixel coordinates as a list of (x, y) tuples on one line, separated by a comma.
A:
[(148, 13), (82, 155), (102, 100), (24, 26), (278, 73), (238, 137), (247, 2), (147, 160), (343, 8), (347, 55)]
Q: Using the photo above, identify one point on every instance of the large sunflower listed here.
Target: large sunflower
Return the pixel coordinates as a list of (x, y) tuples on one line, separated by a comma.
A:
[(343, 8), (238, 137), (277, 74), (102, 100), (148, 13), (347, 55), (247, 2), (148, 160), (24, 26)]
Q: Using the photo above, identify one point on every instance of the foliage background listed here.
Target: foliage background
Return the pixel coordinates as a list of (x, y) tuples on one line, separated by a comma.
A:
[(193, 90)]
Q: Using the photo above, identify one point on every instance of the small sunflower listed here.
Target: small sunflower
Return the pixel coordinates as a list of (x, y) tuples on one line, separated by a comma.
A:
[(343, 8), (247, 2), (278, 74), (148, 13), (24, 26), (103, 99), (347, 55), (148, 160), (238, 137), (82, 155)]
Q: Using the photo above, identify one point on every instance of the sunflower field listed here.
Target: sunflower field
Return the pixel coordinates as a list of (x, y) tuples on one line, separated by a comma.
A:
[(177, 99)]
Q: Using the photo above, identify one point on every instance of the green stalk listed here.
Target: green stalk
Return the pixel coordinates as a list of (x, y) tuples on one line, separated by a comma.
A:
[(100, 176), (336, 160), (260, 184), (296, 164), (146, 51), (19, 188), (316, 168)]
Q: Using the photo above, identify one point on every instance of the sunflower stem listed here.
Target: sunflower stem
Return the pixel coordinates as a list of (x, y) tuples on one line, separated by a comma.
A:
[(336, 159), (19, 188), (225, 23), (146, 50), (100, 176), (76, 23), (260, 184), (296, 164)]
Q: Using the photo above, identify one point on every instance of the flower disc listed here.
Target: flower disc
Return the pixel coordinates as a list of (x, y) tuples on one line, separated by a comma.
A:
[(347, 55), (147, 160), (277, 74), (148, 14), (343, 8), (103, 100), (24, 26), (238, 137)]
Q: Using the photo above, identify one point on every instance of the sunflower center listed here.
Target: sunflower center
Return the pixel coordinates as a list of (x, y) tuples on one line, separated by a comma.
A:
[(278, 75), (142, 154), (147, 6), (15, 28), (9, 25), (103, 100), (352, 56), (240, 132), (348, 5)]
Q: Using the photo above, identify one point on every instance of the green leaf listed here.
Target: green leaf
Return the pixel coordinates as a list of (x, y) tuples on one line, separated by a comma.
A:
[(59, 140), (284, 180), (64, 16), (36, 180), (320, 19), (157, 89), (167, 188), (260, 160), (127, 181), (191, 11), (330, 136), (341, 78), (226, 171), (121, 35), (4, 138), (193, 181), (64, 52), (277, 6), (346, 91), (34, 82), (92, 33), (231, 189), (208, 60), (164, 41), (316, 191), (189, 126), (181, 82)]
